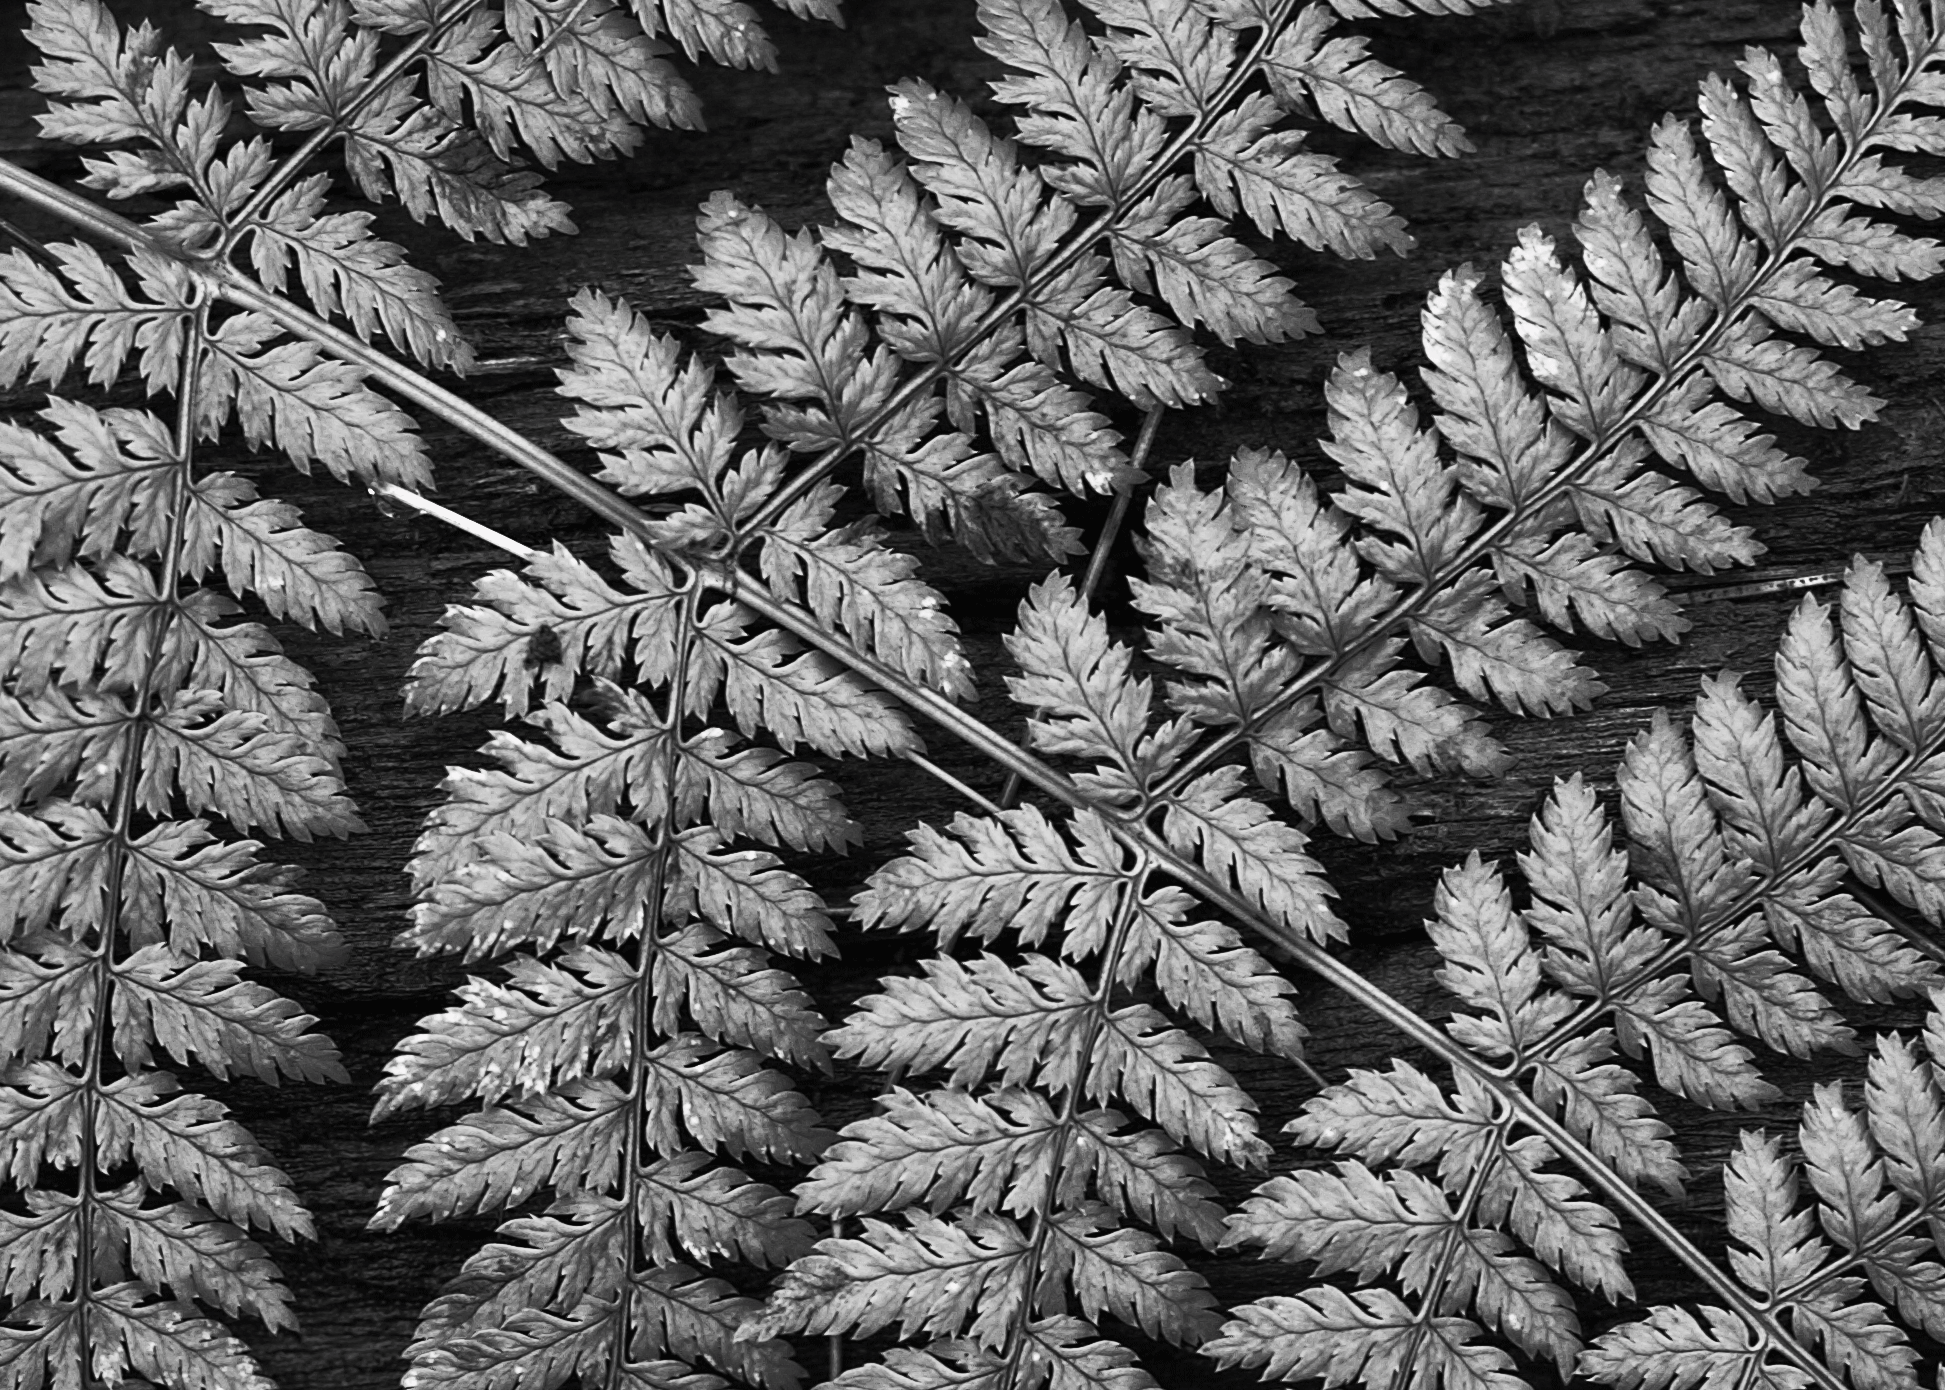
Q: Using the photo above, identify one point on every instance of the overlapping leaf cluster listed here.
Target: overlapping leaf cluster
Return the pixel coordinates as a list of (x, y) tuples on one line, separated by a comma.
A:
[(147, 726), (1741, 840), (1017, 1191), (145, 731), (981, 269), (991, 273)]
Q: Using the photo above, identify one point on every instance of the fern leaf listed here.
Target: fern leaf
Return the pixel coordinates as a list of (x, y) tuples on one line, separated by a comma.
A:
[(1286, 188), (1122, 1272), (201, 1007), (200, 891), (188, 1142), (983, 192), (438, 169), (726, 1098), (944, 1147), (1488, 413), (84, 313), (1204, 276), (1397, 482), (719, 1211), (1672, 1350), (1787, 379), (346, 270), (656, 421), (1167, 1076), (975, 1018), (1371, 1336), (858, 585), (160, 1341), (1351, 89), (734, 999), (1845, 1170), (586, 777), (105, 497), (1204, 970), (756, 792), (1067, 83), (551, 1024), (1887, 660), (1089, 703), (491, 649), (239, 766), (43, 1111), (295, 572), (515, 102), (786, 304), (314, 409), (1325, 778), (1759, 799), (522, 890), (799, 696), (1567, 350), (500, 1156), (1211, 602), (744, 893), (931, 1276), (46, 994), (1014, 869), (1036, 421), (180, 1247), (1399, 1113), (1489, 962), (117, 85), (1761, 1191), (1237, 838)]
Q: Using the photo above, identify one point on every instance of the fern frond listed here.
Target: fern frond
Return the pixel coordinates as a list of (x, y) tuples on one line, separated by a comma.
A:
[(1846, 1156), (617, 1070), (346, 270), (1551, 445), (1737, 849)]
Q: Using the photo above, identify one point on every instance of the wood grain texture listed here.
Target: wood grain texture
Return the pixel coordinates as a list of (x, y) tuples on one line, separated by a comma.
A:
[(1549, 90)]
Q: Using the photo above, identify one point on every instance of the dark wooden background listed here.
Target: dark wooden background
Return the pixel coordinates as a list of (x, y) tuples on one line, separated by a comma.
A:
[(1549, 90)]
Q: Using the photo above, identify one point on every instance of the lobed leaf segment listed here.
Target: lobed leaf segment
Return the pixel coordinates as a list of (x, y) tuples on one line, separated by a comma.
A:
[(147, 726)]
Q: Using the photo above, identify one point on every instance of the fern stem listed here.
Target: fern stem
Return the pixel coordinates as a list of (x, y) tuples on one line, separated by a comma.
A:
[(1097, 563), (126, 808), (29, 243), (972, 794), (1134, 884), (459, 521), (1017, 299), (1449, 1252), (653, 895)]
